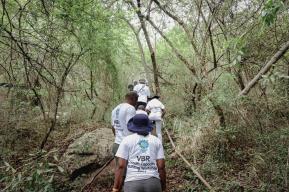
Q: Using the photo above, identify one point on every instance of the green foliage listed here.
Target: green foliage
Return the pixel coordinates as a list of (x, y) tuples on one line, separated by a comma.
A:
[(245, 154), (270, 11), (38, 174)]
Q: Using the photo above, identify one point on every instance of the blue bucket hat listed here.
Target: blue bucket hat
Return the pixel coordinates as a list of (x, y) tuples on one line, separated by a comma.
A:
[(140, 124)]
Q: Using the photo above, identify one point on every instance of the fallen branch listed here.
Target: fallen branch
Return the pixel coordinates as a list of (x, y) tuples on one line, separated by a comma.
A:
[(189, 164), (286, 172), (278, 55), (98, 172)]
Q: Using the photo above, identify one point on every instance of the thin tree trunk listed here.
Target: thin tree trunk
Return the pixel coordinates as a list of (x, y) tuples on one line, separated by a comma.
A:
[(91, 84), (220, 113), (53, 123), (152, 52), (181, 23), (239, 79), (265, 69), (37, 96), (194, 97), (59, 92), (187, 63), (142, 54)]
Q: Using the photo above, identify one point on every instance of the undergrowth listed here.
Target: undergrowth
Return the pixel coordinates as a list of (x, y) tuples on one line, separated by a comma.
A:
[(250, 153)]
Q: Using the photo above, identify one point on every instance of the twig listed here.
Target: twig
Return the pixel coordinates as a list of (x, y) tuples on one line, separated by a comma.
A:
[(189, 164)]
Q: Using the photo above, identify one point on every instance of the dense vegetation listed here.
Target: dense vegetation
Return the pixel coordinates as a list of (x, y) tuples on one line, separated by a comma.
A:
[(221, 67)]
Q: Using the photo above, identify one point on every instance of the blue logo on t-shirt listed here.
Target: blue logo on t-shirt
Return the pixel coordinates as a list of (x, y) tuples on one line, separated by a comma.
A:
[(144, 144)]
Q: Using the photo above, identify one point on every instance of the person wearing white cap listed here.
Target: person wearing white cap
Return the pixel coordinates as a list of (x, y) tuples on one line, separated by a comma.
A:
[(143, 92)]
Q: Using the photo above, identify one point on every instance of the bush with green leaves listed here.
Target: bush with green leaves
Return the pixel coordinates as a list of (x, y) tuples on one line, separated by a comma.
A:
[(35, 174)]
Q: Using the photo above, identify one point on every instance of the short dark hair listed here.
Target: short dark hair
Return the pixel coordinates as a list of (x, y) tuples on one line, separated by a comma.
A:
[(130, 87), (141, 107), (131, 95), (142, 81), (156, 97)]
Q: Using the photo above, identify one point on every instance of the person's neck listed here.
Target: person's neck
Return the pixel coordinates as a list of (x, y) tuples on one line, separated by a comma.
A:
[(128, 103)]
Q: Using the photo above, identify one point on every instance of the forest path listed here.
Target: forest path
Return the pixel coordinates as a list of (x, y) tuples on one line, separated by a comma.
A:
[(177, 175)]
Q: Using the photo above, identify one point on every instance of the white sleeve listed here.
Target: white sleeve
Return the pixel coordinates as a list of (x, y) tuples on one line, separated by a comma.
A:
[(148, 107), (135, 88), (123, 150), (130, 113), (148, 92), (162, 105), (160, 151), (112, 118)]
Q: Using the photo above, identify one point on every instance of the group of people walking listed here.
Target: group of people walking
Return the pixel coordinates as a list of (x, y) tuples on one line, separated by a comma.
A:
[(138, 149)]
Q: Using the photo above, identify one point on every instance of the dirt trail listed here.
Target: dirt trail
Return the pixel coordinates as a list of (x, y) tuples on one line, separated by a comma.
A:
[(104, 181), (177, 178)]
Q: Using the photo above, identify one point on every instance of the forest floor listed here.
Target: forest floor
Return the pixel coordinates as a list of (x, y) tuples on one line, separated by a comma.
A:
[(179, 178)]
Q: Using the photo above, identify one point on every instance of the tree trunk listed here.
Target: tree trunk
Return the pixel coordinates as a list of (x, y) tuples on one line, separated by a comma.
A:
[(152, 52), (142, 54), (187, 63), (220, 113)]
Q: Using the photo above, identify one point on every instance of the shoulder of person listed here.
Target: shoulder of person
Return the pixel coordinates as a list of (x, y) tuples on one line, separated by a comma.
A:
[(150, 101), (129, 138), (130, 107), (154, 138), (114, 109), (126, 105), (119, 105), (159, 102), (153, 102)]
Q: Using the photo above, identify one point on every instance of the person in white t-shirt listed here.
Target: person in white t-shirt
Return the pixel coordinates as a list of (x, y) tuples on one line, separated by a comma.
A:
[(143, 92), (141, 110), (156, 111), (135, 82), (120, 116), (142, 155)]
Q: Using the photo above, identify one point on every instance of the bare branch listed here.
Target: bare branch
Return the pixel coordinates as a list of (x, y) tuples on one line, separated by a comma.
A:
[(278, 55)]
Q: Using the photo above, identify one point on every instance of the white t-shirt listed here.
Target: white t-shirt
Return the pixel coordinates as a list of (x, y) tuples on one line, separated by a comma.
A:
[(120, 116), (141, 153), (143, 92), (141, 112), (155, 107), (142, 98)]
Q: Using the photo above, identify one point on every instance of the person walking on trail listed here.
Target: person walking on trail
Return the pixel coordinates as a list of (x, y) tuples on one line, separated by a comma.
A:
[(143, 92), (143, 156), (156, 111), (130, 87), (141, 110), (120, 116), (135, 83)]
